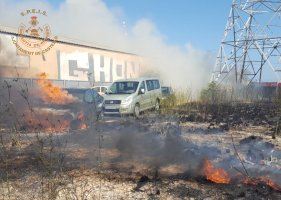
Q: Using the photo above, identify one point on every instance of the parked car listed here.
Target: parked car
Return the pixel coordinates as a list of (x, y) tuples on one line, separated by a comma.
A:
[(132, 96), (100, 89), (89, 107), (59, 117), (166, 92), (96, 101), (83, 94), (169, 99), (77, 92)]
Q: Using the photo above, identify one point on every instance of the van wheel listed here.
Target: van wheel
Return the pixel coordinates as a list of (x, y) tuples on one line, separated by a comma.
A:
[(137, 111), (157, 105)]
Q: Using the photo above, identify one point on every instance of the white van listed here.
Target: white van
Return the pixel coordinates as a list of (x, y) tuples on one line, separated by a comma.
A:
[(131, 96)]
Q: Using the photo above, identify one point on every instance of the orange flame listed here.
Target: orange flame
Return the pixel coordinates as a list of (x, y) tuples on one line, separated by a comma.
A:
[(264, 180), (45, 122), (49, 121), (83, 126), (219, 175), (53, 94), (215, 175), (81, 118)]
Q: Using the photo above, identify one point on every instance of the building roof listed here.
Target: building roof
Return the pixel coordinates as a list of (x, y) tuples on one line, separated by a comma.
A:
[(73, 43)]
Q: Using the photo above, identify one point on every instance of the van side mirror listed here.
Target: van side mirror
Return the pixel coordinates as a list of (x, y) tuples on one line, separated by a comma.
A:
[(142, 91)]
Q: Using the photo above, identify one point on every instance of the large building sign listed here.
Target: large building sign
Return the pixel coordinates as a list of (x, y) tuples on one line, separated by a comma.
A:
[(69, 61), (74, 66), (84, 66)]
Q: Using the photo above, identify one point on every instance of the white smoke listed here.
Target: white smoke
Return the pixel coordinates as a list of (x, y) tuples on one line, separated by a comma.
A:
[(8, 54), (94, 22)]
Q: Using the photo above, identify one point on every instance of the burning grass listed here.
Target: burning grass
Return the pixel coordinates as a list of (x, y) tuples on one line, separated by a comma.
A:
[(49, 120), (262, 180), (217, 175), (220, 176), (52, 94), (145, 147), (143, 153), (81, 118), (46, 120), (58, 112)]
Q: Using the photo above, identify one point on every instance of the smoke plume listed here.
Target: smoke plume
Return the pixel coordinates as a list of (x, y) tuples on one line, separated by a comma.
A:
[(8, 55), (96, 23)]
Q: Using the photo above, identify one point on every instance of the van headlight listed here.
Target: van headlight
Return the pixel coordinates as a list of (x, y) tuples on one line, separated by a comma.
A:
[(127, 101)]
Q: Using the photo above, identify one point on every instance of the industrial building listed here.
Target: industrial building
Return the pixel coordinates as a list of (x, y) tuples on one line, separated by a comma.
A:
[(69, 64)]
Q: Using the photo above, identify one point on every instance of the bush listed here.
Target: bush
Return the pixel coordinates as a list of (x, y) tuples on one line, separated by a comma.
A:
[(210, 94)]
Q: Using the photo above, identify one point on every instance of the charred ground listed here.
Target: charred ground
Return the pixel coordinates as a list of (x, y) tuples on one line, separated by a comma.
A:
[(192, 150)]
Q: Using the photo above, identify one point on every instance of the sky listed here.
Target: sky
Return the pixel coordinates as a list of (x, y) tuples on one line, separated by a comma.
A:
[(177, 38), (181, 22)]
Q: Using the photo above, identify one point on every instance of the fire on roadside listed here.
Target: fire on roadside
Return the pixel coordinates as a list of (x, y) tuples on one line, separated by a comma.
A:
[(262, 180), (50, 93), (53, 120), (81, 118), (46, 120), (216, 175), (219, 175)]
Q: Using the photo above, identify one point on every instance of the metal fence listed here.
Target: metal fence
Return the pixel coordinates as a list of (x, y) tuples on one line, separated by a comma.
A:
[(32, 82)]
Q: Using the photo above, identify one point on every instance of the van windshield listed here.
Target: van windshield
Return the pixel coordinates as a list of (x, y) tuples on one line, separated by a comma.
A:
[(126, 87)]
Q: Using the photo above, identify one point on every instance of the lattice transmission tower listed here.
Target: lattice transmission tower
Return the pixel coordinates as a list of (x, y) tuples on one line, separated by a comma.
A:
[(250, 50)]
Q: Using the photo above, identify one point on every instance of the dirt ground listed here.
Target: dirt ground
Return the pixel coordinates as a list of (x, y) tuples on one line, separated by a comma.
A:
[(151, 158), (95, 186)]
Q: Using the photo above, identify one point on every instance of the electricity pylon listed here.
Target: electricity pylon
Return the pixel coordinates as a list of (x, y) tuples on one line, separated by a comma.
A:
[(250, 50)]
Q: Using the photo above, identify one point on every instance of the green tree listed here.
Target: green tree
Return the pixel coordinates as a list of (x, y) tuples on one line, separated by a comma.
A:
[(210, 94)]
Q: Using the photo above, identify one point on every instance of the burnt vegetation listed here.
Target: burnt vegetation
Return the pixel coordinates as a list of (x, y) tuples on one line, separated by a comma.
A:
[(222, 146)]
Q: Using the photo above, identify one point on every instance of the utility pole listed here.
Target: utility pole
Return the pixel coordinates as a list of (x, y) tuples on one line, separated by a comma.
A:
[(250, 50)]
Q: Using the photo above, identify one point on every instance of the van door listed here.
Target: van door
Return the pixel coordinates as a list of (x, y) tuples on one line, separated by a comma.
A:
[(154, 91), (144, 98), (157, 90), (150, 89)]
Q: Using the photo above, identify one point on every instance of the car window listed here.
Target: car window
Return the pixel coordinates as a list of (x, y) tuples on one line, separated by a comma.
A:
[(149, 85), (91, 96), (125, 87), (152, 85), (79, 93), (156, 84)]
